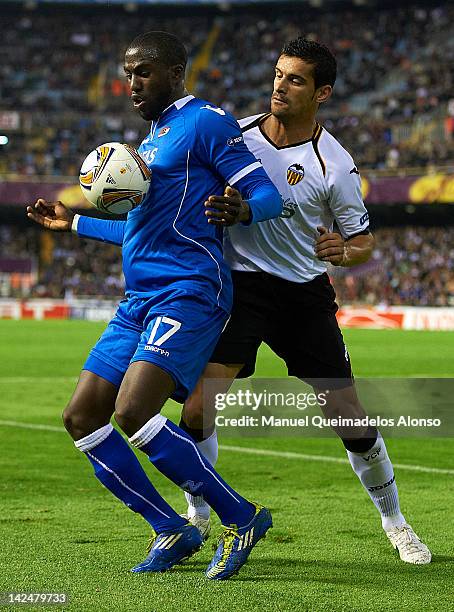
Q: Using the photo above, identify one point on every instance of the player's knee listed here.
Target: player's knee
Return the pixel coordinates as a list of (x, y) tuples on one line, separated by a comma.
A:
[(74, 422), (362, 444), (68, 418), (129, 414), (81, 420), (343, 403)]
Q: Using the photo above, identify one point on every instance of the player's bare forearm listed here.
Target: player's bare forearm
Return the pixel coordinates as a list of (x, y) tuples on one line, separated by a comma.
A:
[(51, 215), (358, 250), (330, 247)]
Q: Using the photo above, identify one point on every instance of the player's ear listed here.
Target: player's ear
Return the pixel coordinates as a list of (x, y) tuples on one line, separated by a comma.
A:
[(323, 93), (177, 72)]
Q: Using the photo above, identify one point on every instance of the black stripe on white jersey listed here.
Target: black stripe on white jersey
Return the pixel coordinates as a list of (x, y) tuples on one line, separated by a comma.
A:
[(315, 139), (255, 123)]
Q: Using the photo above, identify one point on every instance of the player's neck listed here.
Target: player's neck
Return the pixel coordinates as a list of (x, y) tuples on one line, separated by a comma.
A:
[(283, 133), (179, 93)]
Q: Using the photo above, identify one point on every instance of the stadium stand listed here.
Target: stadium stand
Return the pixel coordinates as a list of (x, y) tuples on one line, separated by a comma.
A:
[(411, 266), (395, 84)]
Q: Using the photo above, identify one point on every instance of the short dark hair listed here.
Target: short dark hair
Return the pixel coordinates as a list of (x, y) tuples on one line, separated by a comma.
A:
[(162, 47), (324, 62)]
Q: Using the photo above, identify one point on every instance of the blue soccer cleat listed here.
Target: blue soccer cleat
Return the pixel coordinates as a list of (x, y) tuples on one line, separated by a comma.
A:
[(236, 544), (169, 548)]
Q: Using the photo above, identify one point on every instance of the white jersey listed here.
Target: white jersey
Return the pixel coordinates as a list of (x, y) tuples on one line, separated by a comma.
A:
[(319, 184)]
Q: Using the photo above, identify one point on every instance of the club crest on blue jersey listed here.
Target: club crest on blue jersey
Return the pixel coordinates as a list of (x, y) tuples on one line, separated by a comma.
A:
[(165, 130), (295, 174)]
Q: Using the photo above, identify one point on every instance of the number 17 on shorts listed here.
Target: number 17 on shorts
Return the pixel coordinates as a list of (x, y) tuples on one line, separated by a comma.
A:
[(159, 334), (181, 341)]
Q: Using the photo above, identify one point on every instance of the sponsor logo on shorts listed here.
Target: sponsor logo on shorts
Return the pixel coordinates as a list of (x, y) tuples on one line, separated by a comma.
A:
[(156, 349), (364, 218)]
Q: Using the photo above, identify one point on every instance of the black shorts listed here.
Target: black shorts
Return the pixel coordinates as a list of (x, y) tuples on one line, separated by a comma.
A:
[(296, 320)]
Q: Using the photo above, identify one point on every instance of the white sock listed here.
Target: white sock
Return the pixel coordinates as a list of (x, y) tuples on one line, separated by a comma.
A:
[(196, 504), (376, 473), (148, 431), (92, 440)]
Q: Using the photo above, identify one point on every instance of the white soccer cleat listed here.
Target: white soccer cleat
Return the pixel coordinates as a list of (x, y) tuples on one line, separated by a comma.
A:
[(410, 547), (203, 525)]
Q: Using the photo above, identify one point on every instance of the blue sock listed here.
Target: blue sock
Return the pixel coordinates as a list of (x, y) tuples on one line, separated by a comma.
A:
[(175, 454), (119, 470)]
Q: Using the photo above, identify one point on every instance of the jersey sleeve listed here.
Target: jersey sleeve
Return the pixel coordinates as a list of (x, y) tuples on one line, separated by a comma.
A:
[(220, 144), (346, 200), (103, 230), (264, 199)]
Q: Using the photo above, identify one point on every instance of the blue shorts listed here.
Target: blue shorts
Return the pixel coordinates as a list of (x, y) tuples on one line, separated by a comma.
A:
[(174, 329)]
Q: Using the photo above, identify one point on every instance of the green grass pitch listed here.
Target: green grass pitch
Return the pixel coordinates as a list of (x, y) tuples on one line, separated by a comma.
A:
[(61, 531)]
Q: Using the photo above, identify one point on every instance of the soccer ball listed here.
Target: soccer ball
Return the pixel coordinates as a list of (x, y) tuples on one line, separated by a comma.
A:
[(114, 178)]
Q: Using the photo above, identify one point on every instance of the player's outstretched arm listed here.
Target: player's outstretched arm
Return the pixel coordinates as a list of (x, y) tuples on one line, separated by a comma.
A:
[(58, 218), (331, 247), (104, 230), (51, 215)]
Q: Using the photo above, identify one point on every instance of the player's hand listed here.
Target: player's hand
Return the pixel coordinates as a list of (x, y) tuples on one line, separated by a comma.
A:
[(51, 215), (227, 209), (330, 247)]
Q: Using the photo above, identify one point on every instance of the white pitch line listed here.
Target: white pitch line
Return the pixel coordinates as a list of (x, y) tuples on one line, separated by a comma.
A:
[(255, 451), (23, 380), (31, 426), (326, 459), (12, 380)]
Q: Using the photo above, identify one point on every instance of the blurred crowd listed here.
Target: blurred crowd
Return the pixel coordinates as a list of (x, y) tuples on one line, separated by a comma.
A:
[(410, 266), (68, 266), (393, 103), (69, 90)]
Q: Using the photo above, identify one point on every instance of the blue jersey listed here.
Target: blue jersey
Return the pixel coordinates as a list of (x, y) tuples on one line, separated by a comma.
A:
[(193, 150)]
